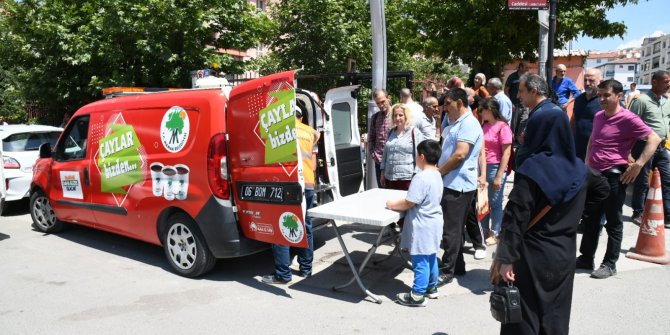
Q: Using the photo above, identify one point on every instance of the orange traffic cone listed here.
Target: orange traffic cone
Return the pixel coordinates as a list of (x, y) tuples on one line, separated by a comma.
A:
[(650, 246)]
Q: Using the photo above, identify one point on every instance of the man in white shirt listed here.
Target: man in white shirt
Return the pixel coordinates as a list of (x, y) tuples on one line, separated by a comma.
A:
[(632, 94)]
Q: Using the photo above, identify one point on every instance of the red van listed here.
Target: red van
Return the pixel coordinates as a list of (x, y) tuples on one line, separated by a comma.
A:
[(205, 173)]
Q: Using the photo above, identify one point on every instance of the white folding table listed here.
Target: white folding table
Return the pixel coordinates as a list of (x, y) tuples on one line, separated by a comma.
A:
[(368, 208)]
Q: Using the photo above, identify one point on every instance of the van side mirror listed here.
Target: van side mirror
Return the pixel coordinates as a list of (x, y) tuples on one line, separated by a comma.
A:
[(45, 150)]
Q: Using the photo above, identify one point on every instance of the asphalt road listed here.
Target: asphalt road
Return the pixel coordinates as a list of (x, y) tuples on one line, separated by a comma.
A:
[(84, 281)]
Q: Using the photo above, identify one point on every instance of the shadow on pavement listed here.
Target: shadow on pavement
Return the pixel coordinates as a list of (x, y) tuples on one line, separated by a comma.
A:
[(476, 280), (380, 279), (4, 236), (17, 208), (115, 244)]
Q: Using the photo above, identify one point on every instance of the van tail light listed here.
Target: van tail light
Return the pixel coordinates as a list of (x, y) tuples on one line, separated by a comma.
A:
[(217, 167), (10, 163)]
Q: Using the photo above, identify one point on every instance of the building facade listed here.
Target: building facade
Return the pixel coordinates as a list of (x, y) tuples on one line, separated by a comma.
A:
[(655, 57), (623, 70)]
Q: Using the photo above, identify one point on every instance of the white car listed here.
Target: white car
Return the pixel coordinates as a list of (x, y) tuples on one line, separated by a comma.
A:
[(2, 184), (20, 150)]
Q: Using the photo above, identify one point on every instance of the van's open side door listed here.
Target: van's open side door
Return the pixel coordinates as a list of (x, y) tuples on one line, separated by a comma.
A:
[(266, 174), (342, 106)]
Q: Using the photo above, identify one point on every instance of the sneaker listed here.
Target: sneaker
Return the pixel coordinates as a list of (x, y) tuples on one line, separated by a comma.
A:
[(480, 253), (667, 224), (582, 264), (411, 299), (431, 293), (603, 272), (637, 218), (491, 240), (444, 279), (272, 279)]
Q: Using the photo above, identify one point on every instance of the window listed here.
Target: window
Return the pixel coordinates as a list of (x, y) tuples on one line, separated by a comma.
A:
[(599, 61), (73, 143), (657, 47), (621, 66), (655, 62), (260, 4), (28, 141), (631, 67), (630, 79), (342, 123)]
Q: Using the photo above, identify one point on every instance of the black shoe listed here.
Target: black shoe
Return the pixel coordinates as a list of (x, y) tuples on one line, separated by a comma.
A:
[(604, 271), (431, 293), (444, 279), (667, 224), (580, 228), (637, 218), (305, 275), (582, 264), (272, 279), (410, 299)]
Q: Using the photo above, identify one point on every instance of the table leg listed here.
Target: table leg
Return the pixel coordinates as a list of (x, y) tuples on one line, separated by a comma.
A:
[(356, 273)]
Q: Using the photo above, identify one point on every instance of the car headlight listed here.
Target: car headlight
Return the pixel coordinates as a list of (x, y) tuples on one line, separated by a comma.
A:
[(10, 163)]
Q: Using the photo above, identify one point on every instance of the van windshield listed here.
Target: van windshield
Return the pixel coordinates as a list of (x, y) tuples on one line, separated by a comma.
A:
[(28, 141)]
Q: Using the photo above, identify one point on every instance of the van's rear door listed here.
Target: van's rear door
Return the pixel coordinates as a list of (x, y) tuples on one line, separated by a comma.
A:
[(342, 105), (267, 182)]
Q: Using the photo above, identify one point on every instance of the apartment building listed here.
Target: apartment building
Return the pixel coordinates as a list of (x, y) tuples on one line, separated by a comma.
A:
[(655, 56)]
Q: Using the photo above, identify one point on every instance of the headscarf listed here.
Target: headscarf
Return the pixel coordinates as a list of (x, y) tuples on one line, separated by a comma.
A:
[(547, 155)]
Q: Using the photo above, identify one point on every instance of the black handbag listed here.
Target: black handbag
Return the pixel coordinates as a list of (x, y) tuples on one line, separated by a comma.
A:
[(506, 304), (505, 299)]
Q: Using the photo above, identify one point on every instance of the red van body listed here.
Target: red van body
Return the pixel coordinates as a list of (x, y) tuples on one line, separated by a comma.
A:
[(206, 173)]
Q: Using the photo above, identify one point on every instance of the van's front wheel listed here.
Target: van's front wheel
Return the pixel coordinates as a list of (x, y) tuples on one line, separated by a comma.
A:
[(185, 248), (43, 215)]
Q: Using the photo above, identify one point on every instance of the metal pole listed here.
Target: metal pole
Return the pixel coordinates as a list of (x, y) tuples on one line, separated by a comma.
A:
[(543, 19), (552, 32), (378, 22)]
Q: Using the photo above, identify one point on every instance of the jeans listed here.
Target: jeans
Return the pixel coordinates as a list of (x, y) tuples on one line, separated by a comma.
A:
[(425, 272), (660, 160), (612, 207), (282, 253), (495, 200)]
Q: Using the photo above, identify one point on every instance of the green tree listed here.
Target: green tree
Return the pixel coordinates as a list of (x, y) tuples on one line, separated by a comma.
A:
[(65, 52), (291, 223), (486, 35)]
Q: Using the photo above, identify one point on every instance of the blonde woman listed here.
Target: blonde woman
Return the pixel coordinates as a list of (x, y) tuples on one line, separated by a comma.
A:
[(398, 163)]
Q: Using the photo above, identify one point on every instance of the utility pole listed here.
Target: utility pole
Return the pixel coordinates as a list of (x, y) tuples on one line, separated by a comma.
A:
[(552, 32), (378, 20), (543, 19)]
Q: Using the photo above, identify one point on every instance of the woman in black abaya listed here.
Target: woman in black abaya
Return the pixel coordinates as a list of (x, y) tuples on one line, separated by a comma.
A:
[(541, 261)]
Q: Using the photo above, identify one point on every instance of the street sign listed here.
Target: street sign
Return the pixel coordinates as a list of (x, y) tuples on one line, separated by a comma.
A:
[(527, 4)]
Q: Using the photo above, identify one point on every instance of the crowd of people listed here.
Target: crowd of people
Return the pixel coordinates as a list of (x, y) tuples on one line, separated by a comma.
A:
[(569, 174)]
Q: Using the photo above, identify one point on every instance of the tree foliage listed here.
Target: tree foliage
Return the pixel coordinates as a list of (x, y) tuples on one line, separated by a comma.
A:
[(486, 35), (65, 52)]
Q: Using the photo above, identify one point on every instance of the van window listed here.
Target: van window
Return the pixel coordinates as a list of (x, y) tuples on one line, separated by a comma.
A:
[(342, 123), (73, 143)]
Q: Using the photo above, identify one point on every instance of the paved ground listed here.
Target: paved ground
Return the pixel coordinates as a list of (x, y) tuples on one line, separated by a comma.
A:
[(84, 281)]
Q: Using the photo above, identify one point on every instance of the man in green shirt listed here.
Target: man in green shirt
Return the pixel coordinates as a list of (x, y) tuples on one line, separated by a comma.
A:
[(654, 109)]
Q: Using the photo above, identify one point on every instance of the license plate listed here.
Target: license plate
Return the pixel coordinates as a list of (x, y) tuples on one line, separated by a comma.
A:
[(263, 193)]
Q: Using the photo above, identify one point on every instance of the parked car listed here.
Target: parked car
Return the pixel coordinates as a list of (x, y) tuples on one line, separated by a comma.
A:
[(205, 173), (2, 184), (20, 150)]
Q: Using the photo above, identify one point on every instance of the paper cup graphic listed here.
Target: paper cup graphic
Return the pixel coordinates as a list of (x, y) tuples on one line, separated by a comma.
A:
[(169, 172), (157, 179), (181, 181)]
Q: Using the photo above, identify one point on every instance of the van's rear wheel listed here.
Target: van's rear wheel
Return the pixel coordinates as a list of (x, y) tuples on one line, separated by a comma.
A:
[(43, 215), (185, 248)]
